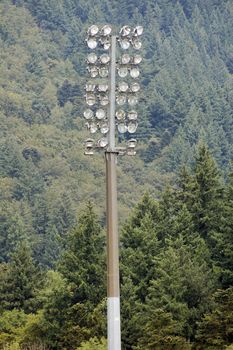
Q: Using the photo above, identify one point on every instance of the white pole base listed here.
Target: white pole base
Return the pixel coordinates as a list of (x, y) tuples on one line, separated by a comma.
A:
[(114, 327)]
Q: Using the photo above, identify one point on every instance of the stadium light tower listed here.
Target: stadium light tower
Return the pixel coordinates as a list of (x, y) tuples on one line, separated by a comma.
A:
[(111, 104)]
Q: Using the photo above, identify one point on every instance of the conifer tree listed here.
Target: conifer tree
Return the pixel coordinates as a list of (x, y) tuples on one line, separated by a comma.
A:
[(20, 284)]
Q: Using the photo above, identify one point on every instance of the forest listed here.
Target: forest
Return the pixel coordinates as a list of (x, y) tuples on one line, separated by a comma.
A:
[(175, 196)]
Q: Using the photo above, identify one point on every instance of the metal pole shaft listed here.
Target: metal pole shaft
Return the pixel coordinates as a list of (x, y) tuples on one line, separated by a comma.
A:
[(113, 306)]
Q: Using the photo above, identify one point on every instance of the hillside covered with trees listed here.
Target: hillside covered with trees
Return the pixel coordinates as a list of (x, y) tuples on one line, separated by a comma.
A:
[(52, 240)]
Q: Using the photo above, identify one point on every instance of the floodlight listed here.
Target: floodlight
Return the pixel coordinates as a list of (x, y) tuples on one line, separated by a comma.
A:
[(88, 114), (137, 59), (104, 58), (93, 71), (89, 143), (103, 72), (106, 30), (137, 44), (103, 87), (105, 42), (93, 128), (125, 31), (132, 100), (90, 99), (104, 100), (92, 58), (125, 58), (121, 100), (138, 31), (132, 127), (92, 43), (100, 114), (123, 72), (120, 114), (131, 143), (88, 152), (103, 142), (93, 30), (134, 87), (104, 128), (134, 72), (123, 86), (124, 43), (122, 128), (90, 87), (132, 115)]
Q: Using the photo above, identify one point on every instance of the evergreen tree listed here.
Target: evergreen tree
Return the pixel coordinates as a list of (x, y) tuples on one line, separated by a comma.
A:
[(75, 311), (216, 328), (20, 284)]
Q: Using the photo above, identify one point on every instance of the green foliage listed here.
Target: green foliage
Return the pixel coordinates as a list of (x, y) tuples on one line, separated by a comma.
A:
[(216, 329), (21, 281), (94, 343)]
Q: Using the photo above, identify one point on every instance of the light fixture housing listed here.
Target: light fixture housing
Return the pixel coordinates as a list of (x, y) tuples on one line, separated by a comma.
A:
[(92, 58), (106, 30), (121, 100), (125, 58), (103, 142), (123, 86), (137, 59), (134, 87), (137, 44), (93, 30), (122, 72), (104, 128), (88, 114), (103, 72), (131, 144), (93, 128), (122, 128), (90, 99), (100, 114), (125, 31), (138, 30), (103, 87), (104, 100), (124, 43), (132, 127), (105, 58), (134, 72), (93, 71), (92, 43), (90, 87), (132, 100), (120, 114), (105, 43), (132, 115)]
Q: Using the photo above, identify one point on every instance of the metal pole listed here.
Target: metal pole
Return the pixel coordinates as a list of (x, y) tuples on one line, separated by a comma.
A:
[(113, 288)]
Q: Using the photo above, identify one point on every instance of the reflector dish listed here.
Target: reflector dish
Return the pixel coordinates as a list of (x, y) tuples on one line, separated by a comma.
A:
[(93, 30), (103, 72), (100, 114), (121, 100), (106, 30), (125, 58), (124, 43), (120, 114), (122, 128), (92, 43), (88, 114), (104, 58), (132, 127), (134, 72), (125, 30), (92, 58)]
